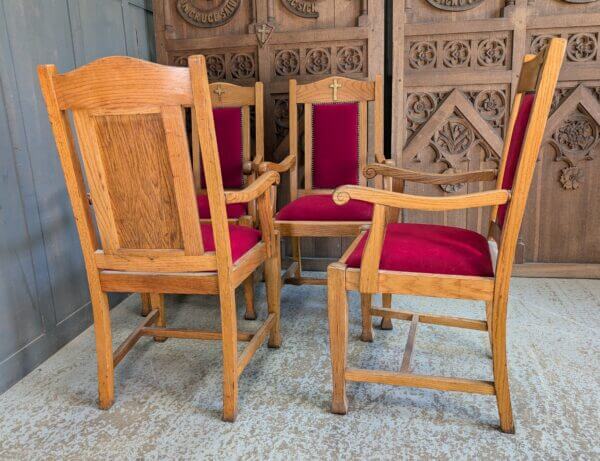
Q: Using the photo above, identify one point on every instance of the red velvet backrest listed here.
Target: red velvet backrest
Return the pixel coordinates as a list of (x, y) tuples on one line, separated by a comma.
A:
[(228, 126), (335, 145), (514, 149)]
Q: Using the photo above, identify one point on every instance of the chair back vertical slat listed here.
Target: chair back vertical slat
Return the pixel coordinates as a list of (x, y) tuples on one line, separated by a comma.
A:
[(293, 137), (308, 148), (363, 140)]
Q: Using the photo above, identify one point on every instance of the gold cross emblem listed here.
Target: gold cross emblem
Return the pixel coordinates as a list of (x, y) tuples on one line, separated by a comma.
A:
[(334, 86), (219, 92)]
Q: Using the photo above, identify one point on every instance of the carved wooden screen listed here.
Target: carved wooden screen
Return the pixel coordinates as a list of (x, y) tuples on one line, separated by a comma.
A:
[(273, 41), (455, 70)]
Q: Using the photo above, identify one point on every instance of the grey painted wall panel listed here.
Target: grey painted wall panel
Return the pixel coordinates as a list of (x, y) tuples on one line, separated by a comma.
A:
[(44, 301)]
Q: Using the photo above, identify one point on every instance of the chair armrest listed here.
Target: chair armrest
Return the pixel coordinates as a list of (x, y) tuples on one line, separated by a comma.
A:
[(373, 169), (343, 194), (254, 190), (280, 167)]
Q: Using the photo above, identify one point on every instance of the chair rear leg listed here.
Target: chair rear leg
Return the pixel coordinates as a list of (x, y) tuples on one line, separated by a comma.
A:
[(273, 287), (157, 301), (230, 356), (249, 297), (297, 256), (337, 308), (501, 368), (146, 307), (488, 315), (367, 321), (386, 301), (104, 353)]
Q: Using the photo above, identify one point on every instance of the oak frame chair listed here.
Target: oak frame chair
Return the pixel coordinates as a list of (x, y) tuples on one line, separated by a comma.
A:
[(129, 119), (339, 99), (240, 159), (485, 263)]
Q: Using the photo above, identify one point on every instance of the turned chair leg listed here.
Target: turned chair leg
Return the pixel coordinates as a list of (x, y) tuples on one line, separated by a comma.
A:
[(386, 301), (104, 353), (337, 308), (367, 322), (146, 307), (501, 369), (157, 301), (230, 356), (273, 288), (249, 297)]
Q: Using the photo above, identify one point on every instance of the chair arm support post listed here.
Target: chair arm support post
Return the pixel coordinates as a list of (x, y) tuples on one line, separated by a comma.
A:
[(257, 188), (373, 169), (343, 194)]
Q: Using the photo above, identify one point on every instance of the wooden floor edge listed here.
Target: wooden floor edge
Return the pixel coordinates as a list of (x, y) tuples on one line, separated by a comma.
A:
[(441, 383)]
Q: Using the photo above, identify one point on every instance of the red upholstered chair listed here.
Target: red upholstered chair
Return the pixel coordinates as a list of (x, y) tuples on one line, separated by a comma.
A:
[(335, 151), (441, 261), (239, 160)]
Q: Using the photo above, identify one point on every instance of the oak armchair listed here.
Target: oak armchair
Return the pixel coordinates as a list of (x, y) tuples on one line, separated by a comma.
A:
[(443, 261), (335, 151), (129, 118)]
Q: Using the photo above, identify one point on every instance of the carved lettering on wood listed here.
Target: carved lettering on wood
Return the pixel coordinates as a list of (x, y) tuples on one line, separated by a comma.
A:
[(454, 5), (208, 17), (302, 8)]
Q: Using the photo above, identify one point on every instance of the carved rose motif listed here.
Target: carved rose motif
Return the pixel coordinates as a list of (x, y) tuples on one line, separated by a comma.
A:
[(571, 178), (242, 65), (180, 61), (540, 42), (421, 54), (577, 135), (215, 66), (419, 107), (318, 61), (287, 62), (582, 47), (455, 137), (491, 52), (349, 59), (457, 53), (491, 105)]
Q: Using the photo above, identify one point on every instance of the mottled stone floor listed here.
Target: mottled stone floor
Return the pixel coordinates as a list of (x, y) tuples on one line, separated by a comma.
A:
[(169, 395)]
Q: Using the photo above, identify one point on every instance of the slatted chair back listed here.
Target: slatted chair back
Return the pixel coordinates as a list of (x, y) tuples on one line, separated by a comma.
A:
[(531, 106), (129, 119), (336, 129), (231, 112)]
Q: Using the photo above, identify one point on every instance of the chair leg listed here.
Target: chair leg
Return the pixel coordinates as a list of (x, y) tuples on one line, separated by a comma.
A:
[(273, 287), (367, 322), (157, 301), (145, 304), (229, 332), (104, 353), (386, 301), (297, 256), (337, 308), (488, 315), (249, 296), (501, 368)]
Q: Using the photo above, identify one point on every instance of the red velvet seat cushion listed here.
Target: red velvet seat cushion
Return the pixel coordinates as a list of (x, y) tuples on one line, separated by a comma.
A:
[(242, 239), (322, 208), (427, 248), (234, 210), (514, 150), (228, 127), (335, 142)]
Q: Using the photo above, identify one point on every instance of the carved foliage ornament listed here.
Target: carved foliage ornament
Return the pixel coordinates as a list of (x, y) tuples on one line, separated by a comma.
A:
[(318, 61), (287, 62), (421, 55), (454, 5), (302, 8), (212, 16), (582, 47)]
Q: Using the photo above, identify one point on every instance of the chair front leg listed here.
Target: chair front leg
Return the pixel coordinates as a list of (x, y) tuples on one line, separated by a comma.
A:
[(146, 307), (104, 354), (157, 301), (273, 287), (297, 256), (337, 308), (230, 356), (386, 301), (249, 297)]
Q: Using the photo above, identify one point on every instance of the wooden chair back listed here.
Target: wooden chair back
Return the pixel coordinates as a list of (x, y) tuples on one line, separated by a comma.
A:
[(327, 92), (530, 110), (226, 97), (129, 118)]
